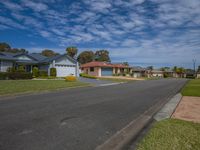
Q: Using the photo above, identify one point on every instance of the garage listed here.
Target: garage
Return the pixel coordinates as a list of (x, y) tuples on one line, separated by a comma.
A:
[(65, 70), (106, 71)]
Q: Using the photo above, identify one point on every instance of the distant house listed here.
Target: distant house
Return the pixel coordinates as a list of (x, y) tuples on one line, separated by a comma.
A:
[(155, 73), (104, 69), (138, 72), (64, 64), (198, 75)]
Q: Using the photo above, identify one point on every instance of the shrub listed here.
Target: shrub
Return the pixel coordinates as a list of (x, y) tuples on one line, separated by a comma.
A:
[(87, 76), (35, 72), (20, 75), (43, 73), (3, 75), (11, 69), (53, 72), (21, 69), (70, 78)]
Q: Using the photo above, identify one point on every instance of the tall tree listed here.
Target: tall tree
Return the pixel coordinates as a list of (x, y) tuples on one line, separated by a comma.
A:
[(85, 57), (102, 55), (198, 70), (125, 63), (48, 53), (4, 47), (150, 67), (175, 68), (71, 51)]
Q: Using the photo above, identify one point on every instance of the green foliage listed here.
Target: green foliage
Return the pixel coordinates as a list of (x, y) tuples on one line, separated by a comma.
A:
[(5, 47), (85, 57), (71, 51), (15, 75), (11, 69), (35, 72), (87, 76), (21, 69), (102, 55), (49, 53), (43, 73), (53, 72), (70, 78)]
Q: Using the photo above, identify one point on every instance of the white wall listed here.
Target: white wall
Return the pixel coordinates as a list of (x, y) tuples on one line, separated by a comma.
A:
[(5, 65)]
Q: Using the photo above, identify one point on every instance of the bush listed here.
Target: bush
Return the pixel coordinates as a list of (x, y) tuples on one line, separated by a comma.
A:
[(43, 73), (165, 75), (35, 72), (15, 75), (53, 72), (87, 76), (70, 78), (20, 75), (21, 69), (3, 75), (11, 69)]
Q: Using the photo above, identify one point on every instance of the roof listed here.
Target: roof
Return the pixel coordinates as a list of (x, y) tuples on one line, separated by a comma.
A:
[(36, 57), (138, 68), (103, 64)]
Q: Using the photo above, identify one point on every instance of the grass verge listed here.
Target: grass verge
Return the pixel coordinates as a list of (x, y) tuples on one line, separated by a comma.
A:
[(172, 134), (192, 88), (12, 87)]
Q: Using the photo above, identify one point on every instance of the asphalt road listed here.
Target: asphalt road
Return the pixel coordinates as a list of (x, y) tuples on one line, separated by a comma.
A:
[(77, 119)]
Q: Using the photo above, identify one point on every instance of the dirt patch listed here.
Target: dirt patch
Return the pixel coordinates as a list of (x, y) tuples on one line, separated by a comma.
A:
[(188, 109)]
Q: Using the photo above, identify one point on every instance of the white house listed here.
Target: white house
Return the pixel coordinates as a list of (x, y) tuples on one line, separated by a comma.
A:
[(64, 64)]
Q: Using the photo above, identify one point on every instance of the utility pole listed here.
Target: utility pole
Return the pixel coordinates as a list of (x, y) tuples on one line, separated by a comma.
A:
[(194, 65)]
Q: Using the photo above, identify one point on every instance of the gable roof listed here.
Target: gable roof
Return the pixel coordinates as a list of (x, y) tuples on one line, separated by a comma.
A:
[(36, 57), (103, 64)]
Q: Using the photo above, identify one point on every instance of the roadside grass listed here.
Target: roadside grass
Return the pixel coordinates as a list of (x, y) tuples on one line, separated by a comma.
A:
[(192, 88), (12, 87), (172, 134)]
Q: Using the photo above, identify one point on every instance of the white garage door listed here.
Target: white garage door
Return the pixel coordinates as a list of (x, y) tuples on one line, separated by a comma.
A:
[(65, 70)]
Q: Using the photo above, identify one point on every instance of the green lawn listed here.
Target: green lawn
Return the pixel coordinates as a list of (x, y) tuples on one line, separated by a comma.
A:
[(12, 87), (192, 88), (172, 134)]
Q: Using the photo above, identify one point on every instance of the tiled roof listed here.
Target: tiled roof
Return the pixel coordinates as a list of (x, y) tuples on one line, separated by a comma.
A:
[(103, 64)]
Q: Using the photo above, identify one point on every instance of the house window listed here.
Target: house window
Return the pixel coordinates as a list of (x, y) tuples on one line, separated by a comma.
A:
[(91, 69)]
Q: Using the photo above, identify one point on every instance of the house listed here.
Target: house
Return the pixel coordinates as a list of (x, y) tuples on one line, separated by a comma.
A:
[(138, 72), (105, 69), (64, 64), (198, 75), (155, 73)]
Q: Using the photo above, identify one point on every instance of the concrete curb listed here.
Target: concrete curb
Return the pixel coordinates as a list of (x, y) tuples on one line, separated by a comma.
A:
[(125, 136), (169, 108)]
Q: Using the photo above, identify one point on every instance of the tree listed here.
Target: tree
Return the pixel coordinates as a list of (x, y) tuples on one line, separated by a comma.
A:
[(198, 70), (125, 63), (48, 53), (150, 68), (71, 51), (102, 55), (4, 47), (174, 68), (85, 57)]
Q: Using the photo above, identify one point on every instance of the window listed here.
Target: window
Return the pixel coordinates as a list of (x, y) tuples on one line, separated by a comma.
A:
[(92, 69)]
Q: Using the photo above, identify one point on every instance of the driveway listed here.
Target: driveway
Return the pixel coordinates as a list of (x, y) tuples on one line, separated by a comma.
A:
[(95, 82), (77, 119)]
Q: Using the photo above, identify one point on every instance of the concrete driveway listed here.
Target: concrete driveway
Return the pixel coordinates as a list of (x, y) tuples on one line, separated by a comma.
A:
[(95, 82), (77, 119)]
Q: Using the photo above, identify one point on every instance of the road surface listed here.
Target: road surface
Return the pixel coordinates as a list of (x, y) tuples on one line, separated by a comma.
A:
[(77, 119)]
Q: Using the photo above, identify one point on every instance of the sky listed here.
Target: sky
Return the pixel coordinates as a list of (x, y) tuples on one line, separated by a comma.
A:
[(141, 32)]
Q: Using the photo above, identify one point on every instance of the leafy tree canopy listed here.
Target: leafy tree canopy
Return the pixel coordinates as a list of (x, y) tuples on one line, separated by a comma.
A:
[(102, 55), (72, 51), (5, 47), (49, 53), (85, 57)]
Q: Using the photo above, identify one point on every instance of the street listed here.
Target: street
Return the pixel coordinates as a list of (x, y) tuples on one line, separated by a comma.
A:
[(77, 119)]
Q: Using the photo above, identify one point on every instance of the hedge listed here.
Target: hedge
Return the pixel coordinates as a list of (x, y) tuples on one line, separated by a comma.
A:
[(15, 75), (43, 73), (87, 76), (53, 72)]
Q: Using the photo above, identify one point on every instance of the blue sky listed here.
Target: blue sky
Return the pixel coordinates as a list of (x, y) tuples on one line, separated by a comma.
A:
[(142, 32)]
